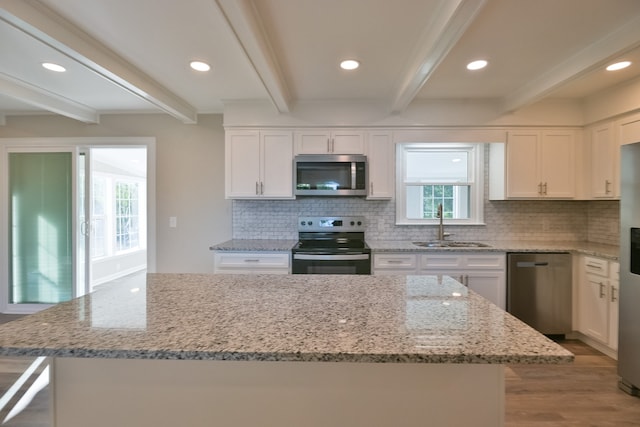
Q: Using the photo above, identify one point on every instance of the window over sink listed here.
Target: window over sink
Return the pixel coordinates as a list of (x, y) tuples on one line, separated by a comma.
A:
[(430, 174)]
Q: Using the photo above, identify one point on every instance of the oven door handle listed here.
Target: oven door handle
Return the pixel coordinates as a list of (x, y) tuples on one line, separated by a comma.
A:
[(331, 257)]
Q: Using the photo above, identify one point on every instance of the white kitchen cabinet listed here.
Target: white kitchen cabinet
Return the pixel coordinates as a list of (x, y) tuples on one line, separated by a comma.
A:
[(395, 263), (605, 162), (540, 164), (482, 273), (598, 300), (252, 262), (323, 141), (381, 162), (259, 164)]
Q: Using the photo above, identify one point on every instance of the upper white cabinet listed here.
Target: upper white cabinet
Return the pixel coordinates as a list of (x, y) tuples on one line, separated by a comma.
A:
[(604, 162), (259, 164), (540, 164), (324, 141), (381, 161)]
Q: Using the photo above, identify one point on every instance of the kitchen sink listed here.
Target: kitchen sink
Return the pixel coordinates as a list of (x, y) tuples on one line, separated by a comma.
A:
[(450, 244)]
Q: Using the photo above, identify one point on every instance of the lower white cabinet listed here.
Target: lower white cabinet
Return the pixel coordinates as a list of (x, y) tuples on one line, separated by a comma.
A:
[(482, 273), (252, 262), (598, 300)]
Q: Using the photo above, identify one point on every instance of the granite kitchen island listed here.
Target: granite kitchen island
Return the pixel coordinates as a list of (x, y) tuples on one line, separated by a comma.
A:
[(263, 350)]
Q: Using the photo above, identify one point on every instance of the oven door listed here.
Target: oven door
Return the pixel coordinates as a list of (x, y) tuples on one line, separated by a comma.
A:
[(310, 263)]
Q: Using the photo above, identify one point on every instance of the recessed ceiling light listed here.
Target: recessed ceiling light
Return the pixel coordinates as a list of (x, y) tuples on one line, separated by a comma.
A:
[(618, 65), (477, 65), (349, 64), (54, 67), (200, 66)]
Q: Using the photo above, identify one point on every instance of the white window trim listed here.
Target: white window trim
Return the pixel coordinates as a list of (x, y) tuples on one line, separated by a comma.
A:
[(476, 164)]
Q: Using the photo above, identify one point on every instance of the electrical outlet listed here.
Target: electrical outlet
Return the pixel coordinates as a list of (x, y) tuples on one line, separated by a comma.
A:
[(173, 221)]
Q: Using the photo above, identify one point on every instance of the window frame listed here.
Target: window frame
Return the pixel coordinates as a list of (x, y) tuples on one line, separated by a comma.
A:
[(476, 183)]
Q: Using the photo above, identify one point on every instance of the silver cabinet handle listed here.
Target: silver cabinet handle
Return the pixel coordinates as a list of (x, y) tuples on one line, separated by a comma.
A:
[(607, 184), (261, 188), (328, 145), (602, 294), (540, 188), (394, 261), (252, 260), (614, 296), (371, 188), (545, 188)]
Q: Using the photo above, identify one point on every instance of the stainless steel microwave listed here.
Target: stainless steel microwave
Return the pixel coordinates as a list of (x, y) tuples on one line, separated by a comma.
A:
[(330, 175)]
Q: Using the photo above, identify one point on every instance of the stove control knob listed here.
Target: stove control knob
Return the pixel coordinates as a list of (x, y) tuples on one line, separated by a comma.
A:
[(303, 223), (359, 222), (352, 223), (310, 223)]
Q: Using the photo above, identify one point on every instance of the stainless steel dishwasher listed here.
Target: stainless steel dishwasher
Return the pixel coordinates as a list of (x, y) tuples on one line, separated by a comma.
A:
[(539, 290)]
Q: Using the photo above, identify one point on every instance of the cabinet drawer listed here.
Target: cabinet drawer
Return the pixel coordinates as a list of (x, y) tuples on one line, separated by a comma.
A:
[(251, 261), (460, 261), (394, 261), (596, 266), (485, 261), (432, 262)]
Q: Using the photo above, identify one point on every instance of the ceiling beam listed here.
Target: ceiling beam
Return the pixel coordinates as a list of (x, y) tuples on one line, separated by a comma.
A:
[(244, 21), (442, 33), (42, 98), (43, 24), (589, 59)]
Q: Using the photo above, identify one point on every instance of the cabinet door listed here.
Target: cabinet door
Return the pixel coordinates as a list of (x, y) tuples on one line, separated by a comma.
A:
[(347, 142), (490, 284), (242, 160), (593, 307), (313, 142), (381, 161), (326, 142), (277, 165), (603, 156), (522, 164), (557, 163)]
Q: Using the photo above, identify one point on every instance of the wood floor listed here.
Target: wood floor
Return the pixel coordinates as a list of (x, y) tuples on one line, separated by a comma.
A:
[(584, 393)]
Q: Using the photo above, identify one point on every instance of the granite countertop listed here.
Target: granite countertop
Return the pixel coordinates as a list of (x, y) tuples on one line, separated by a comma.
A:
[(586, 248), (385, 319)]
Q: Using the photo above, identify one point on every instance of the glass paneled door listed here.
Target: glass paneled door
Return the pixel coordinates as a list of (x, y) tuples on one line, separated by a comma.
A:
[(41, 224)]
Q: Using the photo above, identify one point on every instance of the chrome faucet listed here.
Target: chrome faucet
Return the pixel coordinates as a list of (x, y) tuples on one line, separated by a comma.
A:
[(439, 215)]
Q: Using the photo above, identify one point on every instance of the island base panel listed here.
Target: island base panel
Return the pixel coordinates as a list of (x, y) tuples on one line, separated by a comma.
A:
[(108, 392)]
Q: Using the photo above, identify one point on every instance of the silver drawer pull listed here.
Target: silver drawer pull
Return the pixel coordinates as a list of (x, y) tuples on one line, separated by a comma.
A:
[(251, 260), (598, 266), (394, 261)]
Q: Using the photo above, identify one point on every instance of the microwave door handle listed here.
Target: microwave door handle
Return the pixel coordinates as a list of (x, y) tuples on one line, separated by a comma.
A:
[(353, 175)]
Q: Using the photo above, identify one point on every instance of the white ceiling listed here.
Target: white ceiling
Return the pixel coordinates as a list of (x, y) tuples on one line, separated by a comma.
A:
[(133, 55)]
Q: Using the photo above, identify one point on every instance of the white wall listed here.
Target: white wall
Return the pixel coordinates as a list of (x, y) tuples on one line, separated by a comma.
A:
[(189, 178)]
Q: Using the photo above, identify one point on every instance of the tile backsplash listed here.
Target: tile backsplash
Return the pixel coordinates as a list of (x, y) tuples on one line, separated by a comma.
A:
[(595, 221)]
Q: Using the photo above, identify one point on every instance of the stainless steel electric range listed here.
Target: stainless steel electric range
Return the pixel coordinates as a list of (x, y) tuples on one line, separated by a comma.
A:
[(331, 245)]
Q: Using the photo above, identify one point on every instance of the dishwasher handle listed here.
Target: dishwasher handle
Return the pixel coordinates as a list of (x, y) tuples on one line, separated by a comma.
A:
[(528, 264)]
